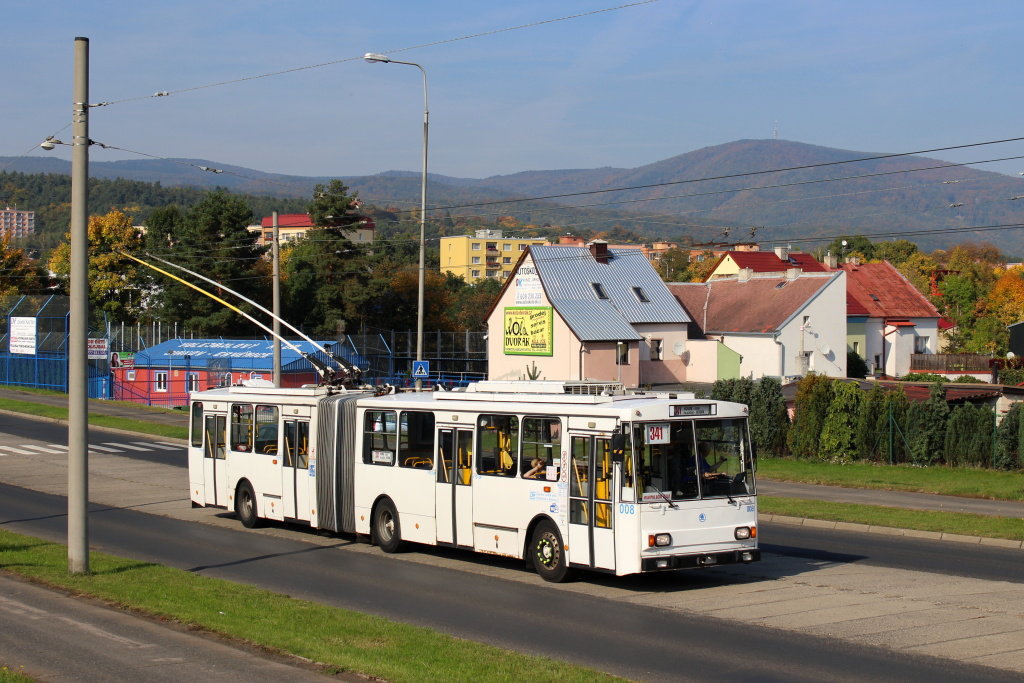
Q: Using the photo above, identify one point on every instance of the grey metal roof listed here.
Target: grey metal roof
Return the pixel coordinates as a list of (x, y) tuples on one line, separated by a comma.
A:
[(568, 273)]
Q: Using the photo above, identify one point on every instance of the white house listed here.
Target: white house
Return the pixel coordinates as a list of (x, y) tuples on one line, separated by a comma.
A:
[(780, 326)]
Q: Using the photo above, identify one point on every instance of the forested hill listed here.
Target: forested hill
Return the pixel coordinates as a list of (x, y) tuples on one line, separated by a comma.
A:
[(801, 206)]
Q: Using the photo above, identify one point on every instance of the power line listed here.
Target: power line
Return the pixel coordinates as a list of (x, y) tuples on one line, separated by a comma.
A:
[(167, 93)]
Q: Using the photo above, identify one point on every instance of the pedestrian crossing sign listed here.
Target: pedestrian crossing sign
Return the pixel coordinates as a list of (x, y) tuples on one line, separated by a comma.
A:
[(421, 369)]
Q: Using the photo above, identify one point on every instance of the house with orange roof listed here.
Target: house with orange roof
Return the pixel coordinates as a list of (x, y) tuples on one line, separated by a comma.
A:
[(292, 227), (779, 260), (779, 325), (888, 319)]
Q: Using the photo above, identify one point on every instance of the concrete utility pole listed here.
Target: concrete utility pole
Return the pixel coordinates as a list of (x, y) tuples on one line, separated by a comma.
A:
[(78, 363), (277, 306)]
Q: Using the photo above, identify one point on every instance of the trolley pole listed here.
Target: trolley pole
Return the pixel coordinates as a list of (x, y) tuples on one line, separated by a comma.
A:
[(78, 370), (277, 305)]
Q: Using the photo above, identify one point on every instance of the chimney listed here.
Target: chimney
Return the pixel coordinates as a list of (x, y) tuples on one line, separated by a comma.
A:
[(831, 261), (782, 253), (793, 273), (599, 250), (744, 274)]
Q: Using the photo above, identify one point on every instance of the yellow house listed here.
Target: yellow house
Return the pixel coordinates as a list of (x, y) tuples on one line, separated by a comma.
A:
[(485, 255)]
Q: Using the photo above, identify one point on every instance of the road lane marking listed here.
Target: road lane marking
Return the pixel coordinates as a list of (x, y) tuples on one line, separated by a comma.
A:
[(18, 451), (129, 446), (94, 447), (163, 445), (168, 446), (21, 609), (48, 448)]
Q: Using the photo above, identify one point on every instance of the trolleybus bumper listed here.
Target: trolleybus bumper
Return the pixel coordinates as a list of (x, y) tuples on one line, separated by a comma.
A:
[(665, 562)]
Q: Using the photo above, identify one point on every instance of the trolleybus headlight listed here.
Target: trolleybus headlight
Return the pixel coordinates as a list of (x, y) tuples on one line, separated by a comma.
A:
[(743, 533), (659, 540)]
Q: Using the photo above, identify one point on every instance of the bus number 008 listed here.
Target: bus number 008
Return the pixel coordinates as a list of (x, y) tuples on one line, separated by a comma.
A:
[(625, 509)]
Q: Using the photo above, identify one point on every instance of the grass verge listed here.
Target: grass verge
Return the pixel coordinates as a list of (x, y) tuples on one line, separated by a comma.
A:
[(9, 675), (920, 520), (950, 481), (61, 413), (340, 639)]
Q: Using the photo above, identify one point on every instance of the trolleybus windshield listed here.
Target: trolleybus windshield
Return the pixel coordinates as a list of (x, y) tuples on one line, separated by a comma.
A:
[(693, 459)]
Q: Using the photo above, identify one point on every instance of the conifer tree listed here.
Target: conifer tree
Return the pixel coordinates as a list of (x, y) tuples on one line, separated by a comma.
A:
[(813, 396), (769, 420), (871, 409), (838, 432), (926, 427)]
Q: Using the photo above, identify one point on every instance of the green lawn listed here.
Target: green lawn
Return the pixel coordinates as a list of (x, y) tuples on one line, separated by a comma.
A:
[(12, 674), (60, 413), (964, 482), (876, 515), (339, 639)]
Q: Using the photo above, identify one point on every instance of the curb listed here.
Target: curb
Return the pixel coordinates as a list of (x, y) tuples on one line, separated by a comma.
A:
[(891, 531)]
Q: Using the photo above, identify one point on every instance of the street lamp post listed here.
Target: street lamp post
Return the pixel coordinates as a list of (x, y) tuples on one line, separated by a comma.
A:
[(373, 58)]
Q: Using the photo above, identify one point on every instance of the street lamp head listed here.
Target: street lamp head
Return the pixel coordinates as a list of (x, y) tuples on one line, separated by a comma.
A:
[(373, 57), (49, 143)]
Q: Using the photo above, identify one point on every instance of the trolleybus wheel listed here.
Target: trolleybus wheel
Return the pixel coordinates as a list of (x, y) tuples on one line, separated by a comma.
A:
[(386, 531), (245, 506), (548, 553)]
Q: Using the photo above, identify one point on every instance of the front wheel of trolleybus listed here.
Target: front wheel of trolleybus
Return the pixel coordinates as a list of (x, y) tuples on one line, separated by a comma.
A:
[(548, 553)]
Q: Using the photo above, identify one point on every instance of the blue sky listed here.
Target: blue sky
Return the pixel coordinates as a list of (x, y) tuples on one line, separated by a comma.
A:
[(620, 88)]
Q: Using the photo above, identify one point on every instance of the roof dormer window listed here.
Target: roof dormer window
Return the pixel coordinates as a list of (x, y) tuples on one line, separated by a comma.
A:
[(640, 296), (599, 290)]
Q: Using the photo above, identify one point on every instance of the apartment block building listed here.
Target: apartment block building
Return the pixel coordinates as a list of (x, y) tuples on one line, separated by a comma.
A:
[(17, 223), (487, 254)]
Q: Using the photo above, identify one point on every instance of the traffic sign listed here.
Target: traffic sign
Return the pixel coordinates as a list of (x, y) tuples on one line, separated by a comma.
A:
[(421, 369)]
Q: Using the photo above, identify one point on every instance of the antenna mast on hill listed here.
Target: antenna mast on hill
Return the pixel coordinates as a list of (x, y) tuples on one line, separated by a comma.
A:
[(775, 135)]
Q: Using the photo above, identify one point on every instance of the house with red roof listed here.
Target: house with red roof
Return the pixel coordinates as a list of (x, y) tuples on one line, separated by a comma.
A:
[(780, 325), (779, 261), (294, 226), (888, 319)]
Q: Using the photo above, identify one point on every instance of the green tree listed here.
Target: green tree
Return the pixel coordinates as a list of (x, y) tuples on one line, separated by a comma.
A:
[(333, 206), (855, 365), (769, 420), (893, 446), (813, 396), (838, 443), (926, 427), (896, 252), (1010, 439), (871, 408), (856, 245), (212, 239)]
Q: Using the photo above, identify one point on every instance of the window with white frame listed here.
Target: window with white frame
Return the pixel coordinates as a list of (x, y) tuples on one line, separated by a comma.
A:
[(657, 349), (160, 380), (476, 246), (920, 344), (476, 260), (192, 382)]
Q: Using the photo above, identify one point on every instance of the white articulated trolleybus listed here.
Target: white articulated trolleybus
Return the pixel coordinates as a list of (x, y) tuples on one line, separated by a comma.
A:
[(566, 475)]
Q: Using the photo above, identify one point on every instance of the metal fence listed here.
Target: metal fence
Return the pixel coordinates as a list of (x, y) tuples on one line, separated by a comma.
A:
[(456, 358)]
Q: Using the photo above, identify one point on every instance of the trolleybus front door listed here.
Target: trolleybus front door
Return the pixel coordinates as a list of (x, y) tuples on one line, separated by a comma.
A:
[(591, 536), (215, 477), (296, 469), (453, 504)]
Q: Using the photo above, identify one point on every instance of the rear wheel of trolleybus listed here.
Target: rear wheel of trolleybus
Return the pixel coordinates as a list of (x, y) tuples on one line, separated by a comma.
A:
[(548, 553), (245, 506), (387, 533)]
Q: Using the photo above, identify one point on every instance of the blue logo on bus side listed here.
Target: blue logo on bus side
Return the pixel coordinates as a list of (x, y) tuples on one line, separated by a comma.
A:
[(554, 508), (702, 517), (312, 468)]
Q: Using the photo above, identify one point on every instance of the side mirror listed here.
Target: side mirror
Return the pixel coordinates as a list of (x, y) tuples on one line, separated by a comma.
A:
[(618, 448)]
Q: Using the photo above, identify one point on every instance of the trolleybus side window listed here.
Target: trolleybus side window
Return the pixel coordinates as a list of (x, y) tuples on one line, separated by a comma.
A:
[(380, 438), (266, 429), (196, 424), (241, 427), (302, 445), (416, 439), (498, 445), (542, 440), (214, 440), (445, 449), (628, 490)]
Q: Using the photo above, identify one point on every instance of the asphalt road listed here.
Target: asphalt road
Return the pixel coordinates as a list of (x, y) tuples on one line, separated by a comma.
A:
[(638, 642)]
